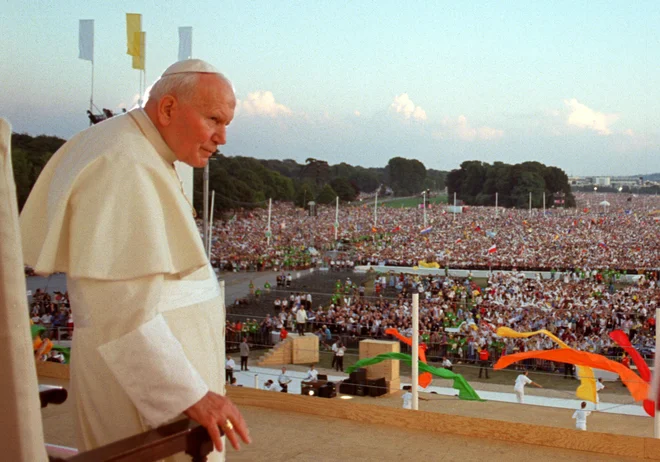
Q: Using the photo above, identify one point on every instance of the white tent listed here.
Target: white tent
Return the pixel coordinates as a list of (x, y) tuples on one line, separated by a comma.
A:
[(605, 204)]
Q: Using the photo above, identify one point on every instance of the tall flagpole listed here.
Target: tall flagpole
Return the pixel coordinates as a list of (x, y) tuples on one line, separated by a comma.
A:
[(211, 224), (454, 205), (336, 218), (543, 203), (530, 204), (268, 232), (376, 209), (205, 206), (91, 97), (424, 209), (415, 351), (496, 211), (656, 420)]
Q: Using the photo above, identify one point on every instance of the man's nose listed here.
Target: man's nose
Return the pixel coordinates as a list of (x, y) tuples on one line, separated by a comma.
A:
[(220, 135)]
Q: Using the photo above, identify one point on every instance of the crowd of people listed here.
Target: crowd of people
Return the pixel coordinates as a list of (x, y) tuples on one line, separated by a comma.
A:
[(622, 235), (458, 318)]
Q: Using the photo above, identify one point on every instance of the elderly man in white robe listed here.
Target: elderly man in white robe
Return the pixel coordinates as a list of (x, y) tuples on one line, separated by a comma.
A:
[(109, 211)]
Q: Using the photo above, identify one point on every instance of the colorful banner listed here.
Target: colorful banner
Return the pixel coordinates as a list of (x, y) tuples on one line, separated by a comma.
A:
[(424, 380), (465, 391), (587, 388), (638, 388)]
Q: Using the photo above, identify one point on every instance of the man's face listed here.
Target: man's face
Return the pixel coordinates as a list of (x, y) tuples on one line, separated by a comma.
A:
[(198, 126)]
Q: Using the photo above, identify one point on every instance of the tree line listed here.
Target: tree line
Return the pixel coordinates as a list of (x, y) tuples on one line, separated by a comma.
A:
[(246, 182), (476, 183)]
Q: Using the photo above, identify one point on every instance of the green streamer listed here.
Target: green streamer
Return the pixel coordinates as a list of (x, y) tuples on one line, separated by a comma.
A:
[(465, 391)]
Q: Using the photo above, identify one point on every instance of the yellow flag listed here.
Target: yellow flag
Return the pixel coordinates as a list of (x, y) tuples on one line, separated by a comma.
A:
[(139, 61), (133, 28)]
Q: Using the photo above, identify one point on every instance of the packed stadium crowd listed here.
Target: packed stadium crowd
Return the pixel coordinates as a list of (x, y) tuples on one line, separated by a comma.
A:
[(458, 318), (622, 235)]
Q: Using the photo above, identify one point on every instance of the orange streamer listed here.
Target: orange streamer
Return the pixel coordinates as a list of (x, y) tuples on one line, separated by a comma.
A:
[(424, 379), (637, 387)]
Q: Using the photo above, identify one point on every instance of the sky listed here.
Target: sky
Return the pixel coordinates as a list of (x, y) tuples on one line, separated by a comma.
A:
[(570, 84)]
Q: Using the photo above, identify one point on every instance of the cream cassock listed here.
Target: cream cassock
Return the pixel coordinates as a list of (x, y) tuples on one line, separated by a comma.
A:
[(109, 211)]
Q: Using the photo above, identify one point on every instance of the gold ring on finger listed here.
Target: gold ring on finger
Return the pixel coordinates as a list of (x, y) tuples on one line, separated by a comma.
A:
[(228, 426)]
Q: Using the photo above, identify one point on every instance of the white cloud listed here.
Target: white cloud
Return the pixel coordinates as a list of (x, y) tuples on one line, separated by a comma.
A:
[(403, 105), (582, 116), (262, 103), (462, 129)]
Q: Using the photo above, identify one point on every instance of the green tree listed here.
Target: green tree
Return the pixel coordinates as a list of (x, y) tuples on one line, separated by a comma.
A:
[(327, 195), (405, 176), (344, 189), (304, 193)]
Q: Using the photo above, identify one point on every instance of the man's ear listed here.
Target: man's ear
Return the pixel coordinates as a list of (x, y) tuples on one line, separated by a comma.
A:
[(167, 106)]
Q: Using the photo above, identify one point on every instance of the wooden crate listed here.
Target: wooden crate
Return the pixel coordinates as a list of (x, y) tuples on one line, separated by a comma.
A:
[(305, 350), (387, 369)]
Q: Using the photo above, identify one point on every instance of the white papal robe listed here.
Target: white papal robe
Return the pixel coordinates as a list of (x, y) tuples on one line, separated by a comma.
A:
[(109, 211)]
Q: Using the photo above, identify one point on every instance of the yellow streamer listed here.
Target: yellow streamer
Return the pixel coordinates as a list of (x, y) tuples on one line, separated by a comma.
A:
[(587, 388)]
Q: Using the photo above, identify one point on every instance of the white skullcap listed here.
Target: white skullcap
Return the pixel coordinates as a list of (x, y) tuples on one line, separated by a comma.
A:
[(190, 66)]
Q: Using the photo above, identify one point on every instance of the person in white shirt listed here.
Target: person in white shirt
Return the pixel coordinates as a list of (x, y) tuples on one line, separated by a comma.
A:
[(272, 386), (407, 398), (580, 417), (301, 321), (334, 353), (284, 381), (312, 375), (341, 349), (519, 387), (229, 369), (446, 363), (599, 387)]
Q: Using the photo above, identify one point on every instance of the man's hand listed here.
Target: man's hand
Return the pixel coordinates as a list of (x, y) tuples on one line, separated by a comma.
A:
[(212, 411)]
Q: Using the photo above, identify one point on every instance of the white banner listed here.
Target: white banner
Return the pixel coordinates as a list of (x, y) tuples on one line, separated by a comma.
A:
[(86, 40), (185, 43)]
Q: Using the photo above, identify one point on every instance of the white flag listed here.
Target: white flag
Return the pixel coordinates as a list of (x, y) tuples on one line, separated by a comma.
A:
[(86, 40), (185, 43)]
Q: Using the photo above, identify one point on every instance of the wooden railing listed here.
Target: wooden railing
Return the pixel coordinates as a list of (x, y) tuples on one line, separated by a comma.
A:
[(180, 436)]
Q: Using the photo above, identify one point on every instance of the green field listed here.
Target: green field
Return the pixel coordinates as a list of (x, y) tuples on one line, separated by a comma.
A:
[(413, 201)]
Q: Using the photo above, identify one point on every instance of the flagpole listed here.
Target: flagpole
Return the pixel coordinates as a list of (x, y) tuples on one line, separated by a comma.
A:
[(454, 205), (496, 211), (268, 233), (424, 193), (205, 206), (415, 351), (211, 223), (376, 209), (543, 203), (336, 219), (530, 204), (91, 97), (656, 419)]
